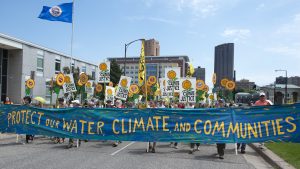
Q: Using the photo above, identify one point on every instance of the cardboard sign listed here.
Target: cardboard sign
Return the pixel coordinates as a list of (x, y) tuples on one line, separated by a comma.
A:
[(172, 76), (162, 85), (187, 90), (104, 73), (89, 89), (123, 88), (69, 85), (110, 94)]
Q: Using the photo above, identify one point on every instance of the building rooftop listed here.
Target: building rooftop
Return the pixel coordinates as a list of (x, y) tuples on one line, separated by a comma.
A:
[(289, 86), (151, 57), (4, 45)]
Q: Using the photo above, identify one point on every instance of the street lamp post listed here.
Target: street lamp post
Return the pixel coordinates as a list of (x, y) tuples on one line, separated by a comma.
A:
[(126, 46), (286, 81)]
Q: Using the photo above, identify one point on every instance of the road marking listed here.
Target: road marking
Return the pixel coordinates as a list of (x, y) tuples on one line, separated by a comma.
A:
[(122, 148)]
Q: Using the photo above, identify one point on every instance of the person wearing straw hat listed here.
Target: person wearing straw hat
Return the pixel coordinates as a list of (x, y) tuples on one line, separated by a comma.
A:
[(40, 101)]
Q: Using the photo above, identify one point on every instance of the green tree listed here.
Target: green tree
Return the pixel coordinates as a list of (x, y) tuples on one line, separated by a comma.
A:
[(115, 72), (66, 70)]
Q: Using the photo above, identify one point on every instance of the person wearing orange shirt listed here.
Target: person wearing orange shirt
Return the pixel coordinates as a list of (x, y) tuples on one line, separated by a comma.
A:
[(7, 101), (262, 100)]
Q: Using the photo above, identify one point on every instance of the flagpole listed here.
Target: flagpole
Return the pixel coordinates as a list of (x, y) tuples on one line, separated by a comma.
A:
[(72, 37), (77, 142)]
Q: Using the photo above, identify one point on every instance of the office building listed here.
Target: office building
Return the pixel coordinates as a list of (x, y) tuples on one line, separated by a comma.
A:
[(155, 65), (20, 59), (152, 48), (295, 80), (199, 73), (224, 62), (245, 84)]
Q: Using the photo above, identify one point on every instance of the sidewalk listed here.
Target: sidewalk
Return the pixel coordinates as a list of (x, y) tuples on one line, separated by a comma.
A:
[(7, 136), (271, 157)]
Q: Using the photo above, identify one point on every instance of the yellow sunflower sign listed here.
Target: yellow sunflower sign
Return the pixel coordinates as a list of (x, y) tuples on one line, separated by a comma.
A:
[(230, 85), (110, 94), (187, 90), (171, 74), (83, 77), (200, 84), (30, 83), (214, 78), (99, 88), (224, 82), (123, 89), (60, 79), (104, 73), (152, 80), (89, 89), (186, 84), (134, 89), (69, 85), (103, 66), (172, 79)]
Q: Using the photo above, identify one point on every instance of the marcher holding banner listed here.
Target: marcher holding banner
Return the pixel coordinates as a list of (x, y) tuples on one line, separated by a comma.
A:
[(27, 102), (76, 104), (261, 102), (119, 105), (153, 146), (221, 146), (61, 104)]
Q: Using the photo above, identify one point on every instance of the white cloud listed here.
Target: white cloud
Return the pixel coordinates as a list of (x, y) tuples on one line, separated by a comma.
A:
[(162, 20), (236, 34), (200, 8)]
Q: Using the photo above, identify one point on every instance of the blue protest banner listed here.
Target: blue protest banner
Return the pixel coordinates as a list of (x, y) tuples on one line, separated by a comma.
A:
[(220, 125)]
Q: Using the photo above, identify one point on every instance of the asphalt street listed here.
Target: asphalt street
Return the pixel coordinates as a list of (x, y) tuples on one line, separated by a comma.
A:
[(44, 154)]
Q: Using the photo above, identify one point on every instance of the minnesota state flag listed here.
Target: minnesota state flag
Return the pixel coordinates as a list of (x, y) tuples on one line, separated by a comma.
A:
[(62, 12), (142, 67)]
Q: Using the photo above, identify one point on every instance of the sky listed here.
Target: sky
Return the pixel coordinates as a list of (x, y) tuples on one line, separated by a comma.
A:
[(266, 33)]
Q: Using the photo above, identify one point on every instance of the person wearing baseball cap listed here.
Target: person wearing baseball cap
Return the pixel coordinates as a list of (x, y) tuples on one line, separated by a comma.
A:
[(262, 100)]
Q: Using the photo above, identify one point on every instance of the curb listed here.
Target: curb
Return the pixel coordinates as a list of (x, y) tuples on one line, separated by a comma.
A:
[(270, 157)]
